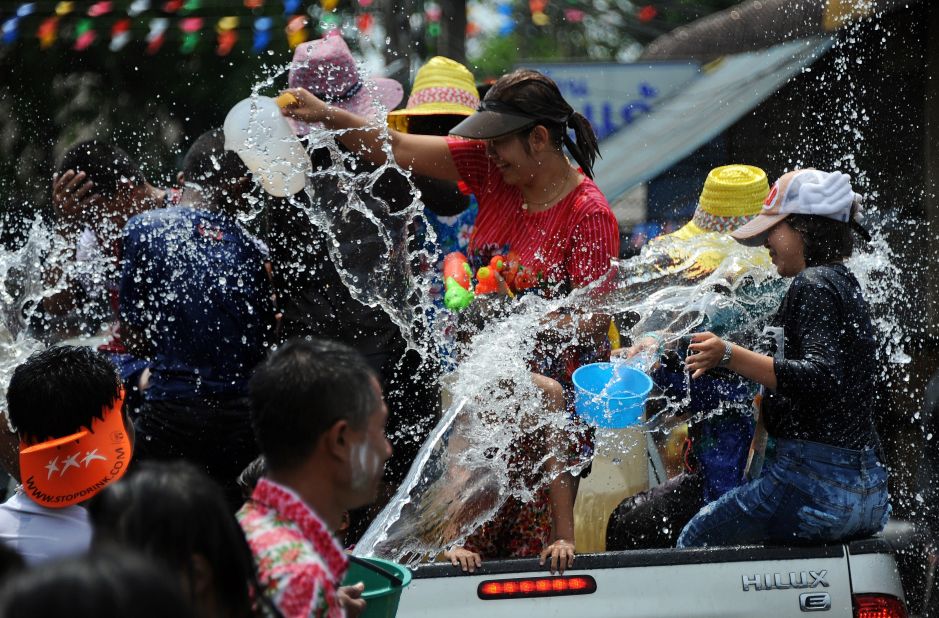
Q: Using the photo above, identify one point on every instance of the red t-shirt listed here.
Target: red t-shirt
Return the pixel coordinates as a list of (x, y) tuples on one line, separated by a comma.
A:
[(569, 245)]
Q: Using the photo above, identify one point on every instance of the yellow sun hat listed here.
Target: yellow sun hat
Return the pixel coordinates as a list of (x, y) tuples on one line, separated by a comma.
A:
[(732, 195), (441, 87)]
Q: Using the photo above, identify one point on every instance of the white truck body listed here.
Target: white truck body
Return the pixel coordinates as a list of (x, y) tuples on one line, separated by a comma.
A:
[(725, 582)]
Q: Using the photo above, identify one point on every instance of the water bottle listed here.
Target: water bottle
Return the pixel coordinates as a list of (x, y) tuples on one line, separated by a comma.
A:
[(259, 133)]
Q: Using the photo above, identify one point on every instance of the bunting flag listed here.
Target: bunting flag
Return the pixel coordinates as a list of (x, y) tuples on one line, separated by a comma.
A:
[(48, 32), (508, 20), (227, 36), (64, 8), (10, 30), (120, 35), (296, 30), (85, 35), (329, 5), (262, 34), (291, 7), (574, 16), (364, 22), (329, 23), (191, 5), (647, 13), (99, 8), (365, 3), (254, 4), (190, 28), (157, 35), (26, 9), (172, 6), (137, 7)]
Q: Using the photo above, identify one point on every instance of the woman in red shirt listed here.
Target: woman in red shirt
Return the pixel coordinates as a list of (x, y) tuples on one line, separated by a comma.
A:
[(534, 202)]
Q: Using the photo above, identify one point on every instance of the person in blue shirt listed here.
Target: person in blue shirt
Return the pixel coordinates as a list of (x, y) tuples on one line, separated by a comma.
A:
[(196, 302)]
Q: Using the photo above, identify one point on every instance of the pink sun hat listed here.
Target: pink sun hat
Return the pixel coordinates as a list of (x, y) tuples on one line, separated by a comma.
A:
[(327, 69)]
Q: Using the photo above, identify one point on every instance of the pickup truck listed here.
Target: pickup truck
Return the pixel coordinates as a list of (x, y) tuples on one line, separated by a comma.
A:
[(856, 579)]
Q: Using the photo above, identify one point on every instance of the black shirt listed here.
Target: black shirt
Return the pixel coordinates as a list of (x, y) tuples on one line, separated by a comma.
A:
[(373, 248), (827, 380)]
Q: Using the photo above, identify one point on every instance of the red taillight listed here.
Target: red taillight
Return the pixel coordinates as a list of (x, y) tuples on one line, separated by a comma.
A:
[(878, 606), (536, 587)]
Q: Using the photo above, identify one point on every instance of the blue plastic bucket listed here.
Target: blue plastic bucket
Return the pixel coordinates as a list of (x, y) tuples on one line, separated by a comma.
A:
[(384, 581), (610, 395)]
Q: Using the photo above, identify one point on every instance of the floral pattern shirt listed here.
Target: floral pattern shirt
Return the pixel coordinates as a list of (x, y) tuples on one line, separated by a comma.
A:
[(299, 562)]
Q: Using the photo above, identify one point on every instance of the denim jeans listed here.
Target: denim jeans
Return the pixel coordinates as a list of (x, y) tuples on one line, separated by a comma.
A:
[(809, 492)]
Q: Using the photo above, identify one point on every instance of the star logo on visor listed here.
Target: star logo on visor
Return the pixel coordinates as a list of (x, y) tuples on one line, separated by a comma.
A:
[(52, 466), (90, 456), (70, 462)]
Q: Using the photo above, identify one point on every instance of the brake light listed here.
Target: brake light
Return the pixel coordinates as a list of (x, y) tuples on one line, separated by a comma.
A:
[(494, 589), (878, 606)]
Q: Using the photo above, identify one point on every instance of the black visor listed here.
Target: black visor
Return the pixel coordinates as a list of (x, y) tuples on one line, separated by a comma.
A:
[(494, 119)]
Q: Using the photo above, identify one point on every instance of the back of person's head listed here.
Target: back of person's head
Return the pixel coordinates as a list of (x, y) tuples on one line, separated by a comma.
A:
[(211, 168), (538, 95), (177, 515), (825, 240), (60, 390), (249, 477), (107, 166), (94, 586), (301, 390)]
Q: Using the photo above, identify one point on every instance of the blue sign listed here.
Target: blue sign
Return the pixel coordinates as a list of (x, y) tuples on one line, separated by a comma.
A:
[(613, 95)]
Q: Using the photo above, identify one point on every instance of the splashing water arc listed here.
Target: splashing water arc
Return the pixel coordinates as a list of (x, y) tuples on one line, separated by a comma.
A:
[(461, 477)]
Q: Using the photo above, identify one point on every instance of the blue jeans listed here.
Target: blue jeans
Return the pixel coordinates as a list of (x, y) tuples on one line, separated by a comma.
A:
[(809, 492)]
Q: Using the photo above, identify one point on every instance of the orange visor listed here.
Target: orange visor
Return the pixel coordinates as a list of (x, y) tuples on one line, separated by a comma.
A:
[(64, 471)]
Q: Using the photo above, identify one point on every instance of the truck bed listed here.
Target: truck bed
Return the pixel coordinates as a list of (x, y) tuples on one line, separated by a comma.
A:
[(727, 582)]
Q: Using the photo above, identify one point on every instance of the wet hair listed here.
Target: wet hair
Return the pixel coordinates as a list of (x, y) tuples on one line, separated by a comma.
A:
[(538, 95), (301, 390), (209, 165), (171, 512), (58, 391), (95, 585), (106, 165), (825, 240)]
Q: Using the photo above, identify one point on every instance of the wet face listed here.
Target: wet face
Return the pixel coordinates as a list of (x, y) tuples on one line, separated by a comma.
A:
[(786, 249), (369, 450), (509, 156)]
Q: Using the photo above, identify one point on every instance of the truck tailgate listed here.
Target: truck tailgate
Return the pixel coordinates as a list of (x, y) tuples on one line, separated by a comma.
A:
[(663, 583)]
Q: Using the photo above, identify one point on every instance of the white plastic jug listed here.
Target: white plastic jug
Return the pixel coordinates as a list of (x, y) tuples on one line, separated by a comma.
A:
[(259, 133)]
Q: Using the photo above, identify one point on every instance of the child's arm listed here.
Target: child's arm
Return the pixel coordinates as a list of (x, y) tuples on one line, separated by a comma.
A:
[(708, 350), (563, 490), (462, 557)]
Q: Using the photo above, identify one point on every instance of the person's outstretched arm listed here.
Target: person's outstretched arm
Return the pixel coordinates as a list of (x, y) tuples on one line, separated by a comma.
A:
[(427, 155), (707, 349)]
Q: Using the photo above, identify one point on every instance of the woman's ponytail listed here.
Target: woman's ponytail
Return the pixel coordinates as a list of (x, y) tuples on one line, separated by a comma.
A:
[(585, 149)]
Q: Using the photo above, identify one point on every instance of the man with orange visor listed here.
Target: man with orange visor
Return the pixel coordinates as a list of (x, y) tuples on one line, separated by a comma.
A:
[(66, 405)]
